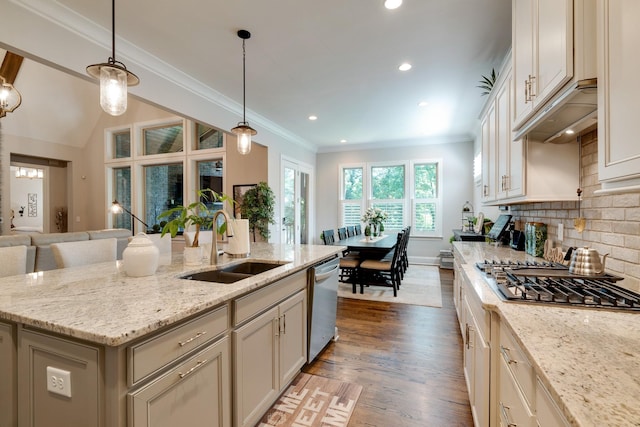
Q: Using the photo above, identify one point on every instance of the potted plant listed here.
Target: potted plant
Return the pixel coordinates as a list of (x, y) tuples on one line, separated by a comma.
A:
[(197, 214), (258, 205)]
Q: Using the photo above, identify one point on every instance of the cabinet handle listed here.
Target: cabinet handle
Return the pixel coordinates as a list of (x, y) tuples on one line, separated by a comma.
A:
[(284, 324), (198, 365), (485, 190), (466, 335), (507, 184), (277, 327), (505, 416), (506, 356), (526, 91), (195, 337), (532, 94)]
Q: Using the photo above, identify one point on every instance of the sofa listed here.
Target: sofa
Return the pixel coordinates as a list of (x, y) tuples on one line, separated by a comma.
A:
[(39, 254)]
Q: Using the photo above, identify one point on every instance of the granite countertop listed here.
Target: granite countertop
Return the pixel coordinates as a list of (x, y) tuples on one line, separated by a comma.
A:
[(101, 304), (589, 359)]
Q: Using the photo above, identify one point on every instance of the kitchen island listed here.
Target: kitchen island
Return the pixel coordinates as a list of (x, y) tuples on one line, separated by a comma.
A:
[(112, 332), (584, 361)]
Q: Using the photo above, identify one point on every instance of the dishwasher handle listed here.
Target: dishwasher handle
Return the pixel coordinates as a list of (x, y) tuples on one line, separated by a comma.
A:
[(325, 275)]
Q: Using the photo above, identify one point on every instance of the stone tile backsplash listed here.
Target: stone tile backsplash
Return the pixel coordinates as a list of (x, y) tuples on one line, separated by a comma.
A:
[(613, 221)]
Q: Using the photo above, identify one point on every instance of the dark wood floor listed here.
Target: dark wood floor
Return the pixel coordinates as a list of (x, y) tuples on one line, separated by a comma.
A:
[(408, 359)]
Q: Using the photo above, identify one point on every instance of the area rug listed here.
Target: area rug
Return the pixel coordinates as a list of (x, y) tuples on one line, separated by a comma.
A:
[(420, 286), (313, 401)]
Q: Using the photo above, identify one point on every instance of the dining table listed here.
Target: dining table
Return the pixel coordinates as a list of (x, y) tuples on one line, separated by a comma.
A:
[(370, 247)]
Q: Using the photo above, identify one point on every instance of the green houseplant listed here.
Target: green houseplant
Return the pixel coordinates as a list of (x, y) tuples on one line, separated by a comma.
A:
[(258, 205), (196, 214)]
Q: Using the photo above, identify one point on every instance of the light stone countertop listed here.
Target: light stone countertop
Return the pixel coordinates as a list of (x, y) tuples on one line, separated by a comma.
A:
[(589, 359), (101, 304)]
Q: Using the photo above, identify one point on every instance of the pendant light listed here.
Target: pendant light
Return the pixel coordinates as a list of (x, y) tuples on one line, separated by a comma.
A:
[(243, 131), (114, 76), (10, 98)]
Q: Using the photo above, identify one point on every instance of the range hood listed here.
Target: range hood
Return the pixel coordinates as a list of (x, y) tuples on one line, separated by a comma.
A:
[(575, 108)]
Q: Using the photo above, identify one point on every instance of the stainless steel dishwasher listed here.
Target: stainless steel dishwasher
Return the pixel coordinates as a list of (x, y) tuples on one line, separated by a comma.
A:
[(323, 305)]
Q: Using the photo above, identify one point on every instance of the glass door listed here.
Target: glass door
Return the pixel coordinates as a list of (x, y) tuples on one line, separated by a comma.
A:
[(295, 207)]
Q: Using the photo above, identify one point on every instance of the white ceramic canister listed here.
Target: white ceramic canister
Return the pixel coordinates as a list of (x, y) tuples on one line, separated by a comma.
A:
[(140, 257)]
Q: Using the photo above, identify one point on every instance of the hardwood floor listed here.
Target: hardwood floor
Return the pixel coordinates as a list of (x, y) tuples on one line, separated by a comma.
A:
[(408, 359)]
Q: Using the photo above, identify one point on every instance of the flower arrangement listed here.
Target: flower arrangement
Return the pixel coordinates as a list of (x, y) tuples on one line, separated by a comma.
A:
[(374, 217)]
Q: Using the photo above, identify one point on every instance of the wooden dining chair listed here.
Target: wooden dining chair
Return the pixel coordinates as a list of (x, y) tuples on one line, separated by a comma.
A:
[(342, 233), (351, 230), (384, 272), (328, 237)]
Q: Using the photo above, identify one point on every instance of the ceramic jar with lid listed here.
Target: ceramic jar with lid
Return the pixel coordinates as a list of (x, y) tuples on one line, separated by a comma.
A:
[(140, 257)]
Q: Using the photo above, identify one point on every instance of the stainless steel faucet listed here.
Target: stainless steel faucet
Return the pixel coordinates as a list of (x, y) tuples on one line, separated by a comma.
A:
[(214, 238)]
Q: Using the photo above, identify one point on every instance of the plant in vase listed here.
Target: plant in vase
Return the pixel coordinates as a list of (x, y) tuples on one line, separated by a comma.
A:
[(196, 214), (374, 217), (258, 206), (367, 231)]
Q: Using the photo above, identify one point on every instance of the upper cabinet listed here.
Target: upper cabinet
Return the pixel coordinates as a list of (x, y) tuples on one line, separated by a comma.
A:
[(523, 170), (542, 52), (553, 49), (618, 94)]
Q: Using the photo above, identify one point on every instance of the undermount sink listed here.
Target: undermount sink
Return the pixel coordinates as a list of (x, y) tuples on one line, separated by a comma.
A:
[(233, 273)]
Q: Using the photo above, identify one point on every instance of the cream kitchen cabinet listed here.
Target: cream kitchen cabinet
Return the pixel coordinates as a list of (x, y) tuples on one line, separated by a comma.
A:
[(523, 170), (618, 93), (196, 391), (270, 348), (49, 397), (542, 52), (8, 401), (476, 356), (522, 399)]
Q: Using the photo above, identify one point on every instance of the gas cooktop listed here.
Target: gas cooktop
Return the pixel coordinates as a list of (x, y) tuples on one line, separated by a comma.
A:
[(553, 283)]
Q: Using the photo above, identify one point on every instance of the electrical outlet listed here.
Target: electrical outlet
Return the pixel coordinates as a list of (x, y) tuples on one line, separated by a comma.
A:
[(560, 231), (59, 381)]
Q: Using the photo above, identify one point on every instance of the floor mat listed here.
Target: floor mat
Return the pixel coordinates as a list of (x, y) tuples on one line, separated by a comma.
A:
[(420, 286), (313, 401)]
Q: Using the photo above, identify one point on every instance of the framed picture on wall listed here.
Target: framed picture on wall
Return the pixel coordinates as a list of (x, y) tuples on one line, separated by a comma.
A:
[(238, 194)]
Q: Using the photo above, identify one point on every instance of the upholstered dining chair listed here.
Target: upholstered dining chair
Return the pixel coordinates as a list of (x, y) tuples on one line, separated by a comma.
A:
[(358, 229), (14, 260), (342, 233), (328, 237), (351, 230), (84, 252)]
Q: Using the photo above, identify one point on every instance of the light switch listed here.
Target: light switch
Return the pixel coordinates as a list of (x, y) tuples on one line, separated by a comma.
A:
[(59, 381)]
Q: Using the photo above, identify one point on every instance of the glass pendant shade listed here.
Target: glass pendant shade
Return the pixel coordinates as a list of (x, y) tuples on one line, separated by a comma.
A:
[(10, 98), (113, 90), (243, 134)]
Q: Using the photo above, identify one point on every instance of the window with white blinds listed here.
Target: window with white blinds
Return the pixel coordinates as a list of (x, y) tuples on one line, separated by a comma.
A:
[(408, 191)]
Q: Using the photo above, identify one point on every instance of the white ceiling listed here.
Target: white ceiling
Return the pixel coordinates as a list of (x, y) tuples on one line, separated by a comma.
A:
[(336, 59)]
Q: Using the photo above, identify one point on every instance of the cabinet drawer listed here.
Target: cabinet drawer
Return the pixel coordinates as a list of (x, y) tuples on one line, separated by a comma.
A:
[(548, 414), (152, 354), (252, 304), (518, 364), (512, 408)]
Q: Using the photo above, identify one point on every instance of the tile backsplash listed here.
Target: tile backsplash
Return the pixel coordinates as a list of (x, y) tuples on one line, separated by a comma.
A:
[(613, 220)]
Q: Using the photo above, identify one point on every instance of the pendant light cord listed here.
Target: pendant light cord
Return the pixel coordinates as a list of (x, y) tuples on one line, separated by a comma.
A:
[(113, 31), (579, 176), (244, 80)]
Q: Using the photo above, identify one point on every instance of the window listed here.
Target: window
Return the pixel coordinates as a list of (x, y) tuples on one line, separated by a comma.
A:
[(163, 189), (122, 193), (352, 198), (409, 191), (208, 137), (163, 139), (426, 200), (121, 144)]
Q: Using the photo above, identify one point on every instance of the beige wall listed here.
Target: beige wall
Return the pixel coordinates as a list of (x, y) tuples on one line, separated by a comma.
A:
[(613, 221)]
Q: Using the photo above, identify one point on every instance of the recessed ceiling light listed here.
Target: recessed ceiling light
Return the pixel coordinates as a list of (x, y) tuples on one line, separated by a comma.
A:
[(570, 132), (423, 104), (342, 141), (404, 67), (313, 117), (392, 4)]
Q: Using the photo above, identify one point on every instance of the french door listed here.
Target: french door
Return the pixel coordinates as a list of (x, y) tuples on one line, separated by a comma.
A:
[(296, 202)]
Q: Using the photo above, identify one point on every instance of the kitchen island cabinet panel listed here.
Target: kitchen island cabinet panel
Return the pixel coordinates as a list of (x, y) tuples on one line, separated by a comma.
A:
[(8, 409), (37, 406), (198, 389)]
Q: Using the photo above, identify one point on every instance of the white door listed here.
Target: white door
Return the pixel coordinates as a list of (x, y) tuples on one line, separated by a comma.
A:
[(296, 202)]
